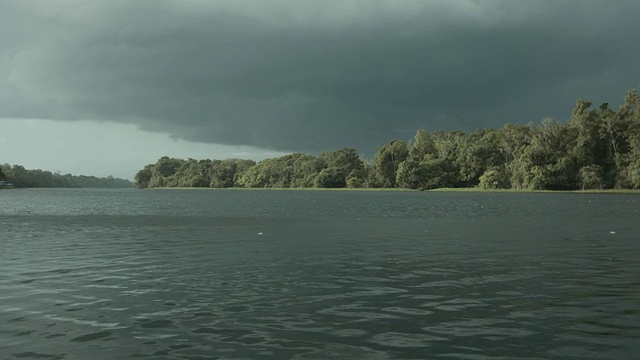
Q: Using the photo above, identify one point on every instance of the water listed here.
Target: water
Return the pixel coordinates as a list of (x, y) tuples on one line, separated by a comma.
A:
[(127, 274)]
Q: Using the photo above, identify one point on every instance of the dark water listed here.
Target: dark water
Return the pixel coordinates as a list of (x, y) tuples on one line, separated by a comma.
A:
[(126, 274)]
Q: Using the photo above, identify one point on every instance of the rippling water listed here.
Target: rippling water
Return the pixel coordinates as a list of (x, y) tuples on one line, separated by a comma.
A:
[(119, 274)]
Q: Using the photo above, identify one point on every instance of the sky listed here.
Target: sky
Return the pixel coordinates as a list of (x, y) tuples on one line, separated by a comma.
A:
[(105, 87)]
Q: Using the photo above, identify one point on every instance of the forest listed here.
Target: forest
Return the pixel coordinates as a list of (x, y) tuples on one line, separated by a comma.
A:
[(23, 178), (598, 148)]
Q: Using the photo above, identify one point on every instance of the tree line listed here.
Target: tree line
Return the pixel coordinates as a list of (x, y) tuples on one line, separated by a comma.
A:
[(21, 177), (598, 148)]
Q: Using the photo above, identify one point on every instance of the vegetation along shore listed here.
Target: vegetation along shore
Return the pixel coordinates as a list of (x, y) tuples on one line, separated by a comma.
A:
[(19, 177), (599, 148)]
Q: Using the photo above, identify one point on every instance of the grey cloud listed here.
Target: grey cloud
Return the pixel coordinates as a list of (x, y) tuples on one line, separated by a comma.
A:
[(312, 76)]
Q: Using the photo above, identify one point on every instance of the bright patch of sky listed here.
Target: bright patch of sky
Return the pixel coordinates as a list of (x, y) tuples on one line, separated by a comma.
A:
[(101, 149)]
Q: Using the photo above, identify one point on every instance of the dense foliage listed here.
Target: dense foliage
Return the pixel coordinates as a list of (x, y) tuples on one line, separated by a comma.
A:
[(21, 177), (596, 149)]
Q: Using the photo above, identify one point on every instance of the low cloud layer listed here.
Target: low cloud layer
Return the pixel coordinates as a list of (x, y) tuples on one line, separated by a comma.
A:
[(312, 75)]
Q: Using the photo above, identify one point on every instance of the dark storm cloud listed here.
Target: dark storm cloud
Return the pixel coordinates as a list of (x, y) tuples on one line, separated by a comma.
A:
[(312, 76)]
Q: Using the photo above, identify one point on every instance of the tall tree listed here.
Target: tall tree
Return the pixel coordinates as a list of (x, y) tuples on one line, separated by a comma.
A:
[(388, 160), (143, 177), (630, 115)]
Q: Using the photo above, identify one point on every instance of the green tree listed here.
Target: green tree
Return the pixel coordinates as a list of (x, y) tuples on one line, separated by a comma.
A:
[(388, 160), (546, 163), (346, 159), (590, 177), (332, 177), (143, 177), (21, 177), (191, 173), (305, 170), (587, 128), (422, 149), (493, 178), (629, 165), (271, 173), (598, 148), (423, 146), (339, 165), (477, 152)]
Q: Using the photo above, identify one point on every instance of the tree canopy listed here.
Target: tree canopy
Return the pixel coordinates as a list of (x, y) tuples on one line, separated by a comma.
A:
[(598, 148), (21, 177)]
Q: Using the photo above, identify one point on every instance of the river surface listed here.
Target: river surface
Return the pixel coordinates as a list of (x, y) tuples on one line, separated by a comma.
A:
[(205, 274)]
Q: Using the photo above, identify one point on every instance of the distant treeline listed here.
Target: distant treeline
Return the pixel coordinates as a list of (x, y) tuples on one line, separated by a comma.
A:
[(21, 177), (596, 149)]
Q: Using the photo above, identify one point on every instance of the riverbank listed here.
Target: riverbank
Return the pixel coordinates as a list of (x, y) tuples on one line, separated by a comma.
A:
[(283, 189), (602, 191), (475, 190)]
